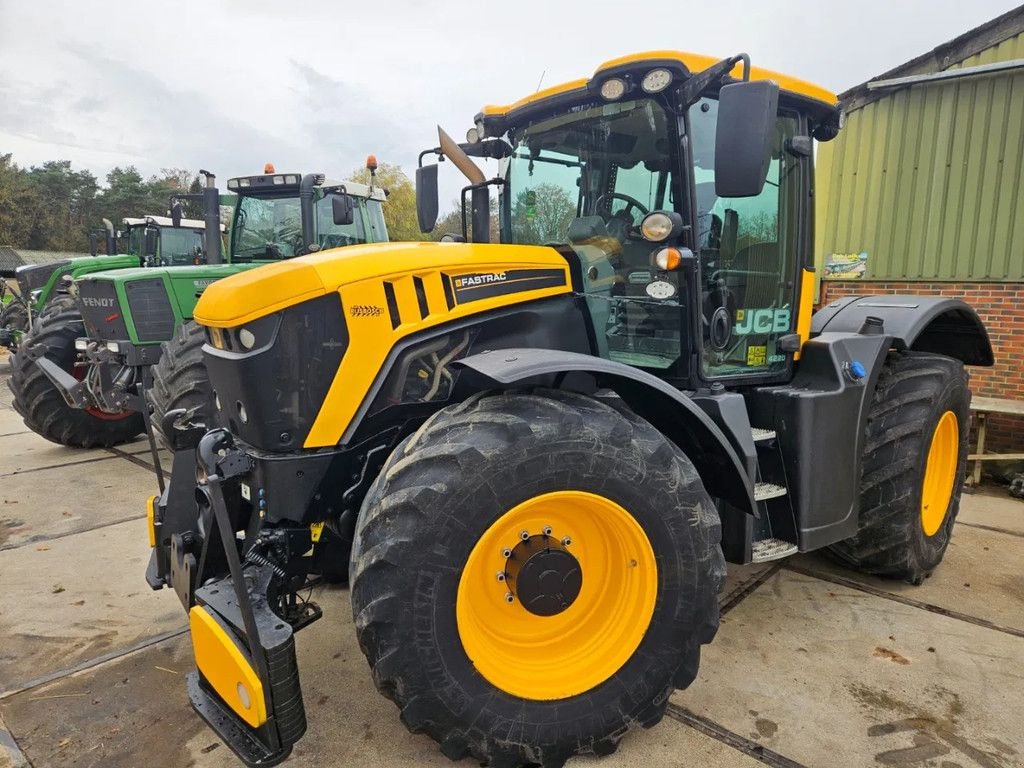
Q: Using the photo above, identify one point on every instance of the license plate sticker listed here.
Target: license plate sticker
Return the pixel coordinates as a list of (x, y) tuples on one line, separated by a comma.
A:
[(246, 492)]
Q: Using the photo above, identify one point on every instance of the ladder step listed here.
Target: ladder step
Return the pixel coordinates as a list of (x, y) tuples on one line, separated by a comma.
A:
[(771, 549), (765, 491), (760, 435)]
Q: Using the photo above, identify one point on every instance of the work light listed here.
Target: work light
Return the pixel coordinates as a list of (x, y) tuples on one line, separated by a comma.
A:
[(613, 89)]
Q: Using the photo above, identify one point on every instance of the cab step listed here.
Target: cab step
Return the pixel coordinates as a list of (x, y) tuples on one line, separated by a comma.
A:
[(771, 549), (765, 491), (762, 435)]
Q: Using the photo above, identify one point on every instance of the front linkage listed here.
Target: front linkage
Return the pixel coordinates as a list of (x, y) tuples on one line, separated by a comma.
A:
[(246, 611)]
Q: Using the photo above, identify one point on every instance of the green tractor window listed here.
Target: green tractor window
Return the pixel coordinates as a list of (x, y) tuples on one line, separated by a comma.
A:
[(267, 228)]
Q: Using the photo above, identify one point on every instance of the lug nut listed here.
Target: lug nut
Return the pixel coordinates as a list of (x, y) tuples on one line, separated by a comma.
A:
[(509, 597), (501, 576), (547, 530), (506, 553), (524, 535), (566, 541)]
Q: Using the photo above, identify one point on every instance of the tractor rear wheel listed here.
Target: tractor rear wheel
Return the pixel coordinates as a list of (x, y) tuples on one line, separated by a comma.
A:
[(533, 574), (914, 462), (40, 403), (180, 380)]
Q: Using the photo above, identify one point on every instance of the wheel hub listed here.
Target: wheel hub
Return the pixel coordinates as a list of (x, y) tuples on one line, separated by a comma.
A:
[(543, 575)]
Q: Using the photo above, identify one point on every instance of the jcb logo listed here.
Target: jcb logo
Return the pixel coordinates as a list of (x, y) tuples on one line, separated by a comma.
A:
[(762, 321), (92, 301)]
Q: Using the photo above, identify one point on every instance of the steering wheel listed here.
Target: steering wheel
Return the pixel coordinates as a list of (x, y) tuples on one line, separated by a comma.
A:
[(631, 202)]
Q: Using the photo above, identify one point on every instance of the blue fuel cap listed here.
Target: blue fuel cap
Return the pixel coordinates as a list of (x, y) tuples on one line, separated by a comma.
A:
[(857, 369)]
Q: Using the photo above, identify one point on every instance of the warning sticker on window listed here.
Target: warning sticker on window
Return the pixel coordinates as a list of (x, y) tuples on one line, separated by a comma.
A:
[(757, 355)]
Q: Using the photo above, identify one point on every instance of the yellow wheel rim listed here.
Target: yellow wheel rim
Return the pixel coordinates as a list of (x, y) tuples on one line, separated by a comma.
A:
[(940, 473), (546, 657)]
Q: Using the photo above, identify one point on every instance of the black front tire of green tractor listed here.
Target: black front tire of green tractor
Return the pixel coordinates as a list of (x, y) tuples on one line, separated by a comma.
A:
[(38, 401), (442, 487), (914, 390), (180, 381)]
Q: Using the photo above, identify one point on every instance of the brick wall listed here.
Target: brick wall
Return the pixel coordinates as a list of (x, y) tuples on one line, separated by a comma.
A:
[(1001, 308)]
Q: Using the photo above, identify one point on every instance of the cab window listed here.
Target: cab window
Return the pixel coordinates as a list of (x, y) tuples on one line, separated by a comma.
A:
[(748, 248)]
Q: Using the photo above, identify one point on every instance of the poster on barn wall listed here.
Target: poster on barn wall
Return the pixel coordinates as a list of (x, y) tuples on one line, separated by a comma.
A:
[(846, 266)]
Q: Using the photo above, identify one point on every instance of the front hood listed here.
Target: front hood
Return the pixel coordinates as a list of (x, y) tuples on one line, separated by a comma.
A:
[(273, 287)]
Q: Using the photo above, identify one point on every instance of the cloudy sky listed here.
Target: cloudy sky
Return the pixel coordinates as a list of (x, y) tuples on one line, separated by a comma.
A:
[(314, 86)]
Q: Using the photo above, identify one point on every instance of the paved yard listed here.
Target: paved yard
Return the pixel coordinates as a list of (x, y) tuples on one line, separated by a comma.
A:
[(813, 666)]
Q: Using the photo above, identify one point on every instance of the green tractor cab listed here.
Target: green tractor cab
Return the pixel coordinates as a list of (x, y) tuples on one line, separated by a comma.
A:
[(124, 317)]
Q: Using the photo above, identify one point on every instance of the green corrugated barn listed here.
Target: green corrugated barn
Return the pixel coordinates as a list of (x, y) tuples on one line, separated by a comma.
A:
[(925, 178)]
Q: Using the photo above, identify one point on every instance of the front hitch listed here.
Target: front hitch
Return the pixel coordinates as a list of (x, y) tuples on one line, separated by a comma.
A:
[(246, 685)]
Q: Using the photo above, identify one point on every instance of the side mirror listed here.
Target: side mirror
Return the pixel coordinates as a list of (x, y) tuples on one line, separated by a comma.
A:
[(176, 213), (744, 137), (151, 237), (426, 197), (93, 247), (342, 209)]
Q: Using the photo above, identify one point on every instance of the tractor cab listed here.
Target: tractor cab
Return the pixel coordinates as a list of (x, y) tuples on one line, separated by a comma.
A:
[(158, 242), (680, 190), (281, 215)]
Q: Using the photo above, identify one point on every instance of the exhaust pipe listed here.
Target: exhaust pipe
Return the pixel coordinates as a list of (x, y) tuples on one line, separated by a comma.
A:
[(211, 217), (480, 195)]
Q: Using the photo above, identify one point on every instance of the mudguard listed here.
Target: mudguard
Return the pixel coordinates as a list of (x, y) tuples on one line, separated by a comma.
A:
[(664, 406), (922, 323)]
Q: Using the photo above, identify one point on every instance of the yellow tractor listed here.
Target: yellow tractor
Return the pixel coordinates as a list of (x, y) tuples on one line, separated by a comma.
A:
[(545, 439)]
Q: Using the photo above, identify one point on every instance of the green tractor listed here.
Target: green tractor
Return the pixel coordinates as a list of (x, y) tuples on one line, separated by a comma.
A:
[(546, 449), (84, 375), (147, 240)]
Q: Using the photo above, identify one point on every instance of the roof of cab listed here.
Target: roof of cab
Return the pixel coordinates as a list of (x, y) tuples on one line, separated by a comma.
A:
[(694, 62)]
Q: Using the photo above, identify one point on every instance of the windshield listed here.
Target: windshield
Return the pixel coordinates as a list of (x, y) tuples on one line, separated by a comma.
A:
[(585, 180), (178, 246), (267, 228)]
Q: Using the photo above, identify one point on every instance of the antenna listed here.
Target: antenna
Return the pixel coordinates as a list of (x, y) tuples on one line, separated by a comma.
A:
[(541, 79)]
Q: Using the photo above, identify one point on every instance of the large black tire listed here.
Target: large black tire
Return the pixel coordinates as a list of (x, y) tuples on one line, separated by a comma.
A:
[(448, 483), (40, 404), (914, 390), (180, 380)]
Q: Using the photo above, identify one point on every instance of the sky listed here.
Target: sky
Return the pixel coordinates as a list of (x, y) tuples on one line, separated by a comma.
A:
[(228, 85)]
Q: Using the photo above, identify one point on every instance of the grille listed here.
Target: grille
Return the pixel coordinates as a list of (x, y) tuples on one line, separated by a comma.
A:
[(101, 311), (151, 309), (34, 277)]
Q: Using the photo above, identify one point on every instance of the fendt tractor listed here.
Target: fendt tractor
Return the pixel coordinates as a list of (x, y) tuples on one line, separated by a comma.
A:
[(84, 376), (548, 447), (147, 241)]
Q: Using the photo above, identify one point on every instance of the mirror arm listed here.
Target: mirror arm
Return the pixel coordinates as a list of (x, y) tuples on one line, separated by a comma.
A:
[(693, 88)]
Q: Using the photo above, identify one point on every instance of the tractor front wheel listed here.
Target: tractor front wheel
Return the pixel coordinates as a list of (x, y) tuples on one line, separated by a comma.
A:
[(533, 574), (915, 458), (41, 404)]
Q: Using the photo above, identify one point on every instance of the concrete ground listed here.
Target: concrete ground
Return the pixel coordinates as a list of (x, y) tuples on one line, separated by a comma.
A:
[(813, 665)]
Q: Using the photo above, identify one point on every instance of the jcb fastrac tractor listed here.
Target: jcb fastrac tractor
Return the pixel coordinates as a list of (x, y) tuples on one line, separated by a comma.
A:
[(83, 377), (144, 240), (549, 447)]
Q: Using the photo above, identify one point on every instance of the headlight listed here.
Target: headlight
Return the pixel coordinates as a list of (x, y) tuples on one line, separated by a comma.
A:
[(656, 81), (81, 344), (247, 338), (613, 89), (659, 226), (113, 346), (472, 135)]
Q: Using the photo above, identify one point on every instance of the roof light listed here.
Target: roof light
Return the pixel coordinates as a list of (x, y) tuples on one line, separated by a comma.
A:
[(656, 81), (269, 168), (291, 178), (371, 162), (472, 135), (613, 89), (244, 182), (279, 179), (232, 183)]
